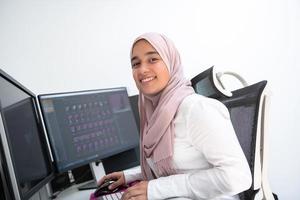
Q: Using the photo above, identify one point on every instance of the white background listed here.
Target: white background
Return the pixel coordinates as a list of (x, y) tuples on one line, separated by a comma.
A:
[(65, 45)]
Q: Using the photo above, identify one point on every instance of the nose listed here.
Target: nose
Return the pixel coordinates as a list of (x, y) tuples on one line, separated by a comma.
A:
[(143, 68)]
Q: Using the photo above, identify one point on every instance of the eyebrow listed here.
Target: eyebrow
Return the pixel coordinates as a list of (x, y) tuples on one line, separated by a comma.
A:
[(148, 53)]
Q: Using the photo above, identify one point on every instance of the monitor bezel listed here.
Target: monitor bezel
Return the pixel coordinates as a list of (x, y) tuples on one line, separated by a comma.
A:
[(83, 92), (9, 160)]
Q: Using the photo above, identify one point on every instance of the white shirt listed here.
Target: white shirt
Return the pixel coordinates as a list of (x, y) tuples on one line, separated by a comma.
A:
[(207, 155)]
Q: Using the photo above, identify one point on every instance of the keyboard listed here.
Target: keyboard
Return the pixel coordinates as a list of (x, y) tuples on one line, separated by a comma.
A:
[(113, 196)]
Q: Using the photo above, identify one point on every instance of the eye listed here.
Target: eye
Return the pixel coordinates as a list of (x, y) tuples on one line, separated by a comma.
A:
[(135, 65), (153, 60)]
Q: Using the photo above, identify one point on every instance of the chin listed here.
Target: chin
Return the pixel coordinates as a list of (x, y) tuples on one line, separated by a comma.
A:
[(150, 93)]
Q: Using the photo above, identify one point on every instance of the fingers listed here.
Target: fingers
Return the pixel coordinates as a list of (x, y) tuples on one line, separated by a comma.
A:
[(113, 176), (134, 194), (138, 191), (107, 177), (116, 184), (117, 176), (101, 180), (136, 198)]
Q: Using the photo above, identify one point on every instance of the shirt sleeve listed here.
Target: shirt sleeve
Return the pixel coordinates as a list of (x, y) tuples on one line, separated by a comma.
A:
[(210, 131), (132, 174)]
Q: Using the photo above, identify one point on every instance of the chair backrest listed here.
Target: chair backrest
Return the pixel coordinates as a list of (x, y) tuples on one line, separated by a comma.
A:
[(244, 106)]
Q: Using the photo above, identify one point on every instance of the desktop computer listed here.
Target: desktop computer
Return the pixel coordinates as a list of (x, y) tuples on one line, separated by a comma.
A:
[(2, 194), (89, 126), (82, 127), (134, 99), (131, 157), (25, 162)]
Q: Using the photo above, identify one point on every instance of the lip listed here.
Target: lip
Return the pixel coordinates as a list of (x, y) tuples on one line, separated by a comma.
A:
[(147, 79)]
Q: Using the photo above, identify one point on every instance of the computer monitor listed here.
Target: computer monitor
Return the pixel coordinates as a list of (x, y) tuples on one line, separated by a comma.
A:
[(26, 164), (134, 101), (131, 157), (87, 126)]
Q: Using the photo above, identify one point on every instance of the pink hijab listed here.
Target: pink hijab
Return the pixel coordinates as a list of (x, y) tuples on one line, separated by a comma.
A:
[(157, 113)]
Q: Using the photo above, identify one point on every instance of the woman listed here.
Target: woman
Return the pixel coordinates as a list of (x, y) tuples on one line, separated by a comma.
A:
[(188, 146)]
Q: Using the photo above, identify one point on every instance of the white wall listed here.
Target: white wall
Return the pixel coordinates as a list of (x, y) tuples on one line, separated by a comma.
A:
[(65, 45)]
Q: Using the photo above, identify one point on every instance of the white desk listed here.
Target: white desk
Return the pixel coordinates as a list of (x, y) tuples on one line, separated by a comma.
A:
[(72, 193)]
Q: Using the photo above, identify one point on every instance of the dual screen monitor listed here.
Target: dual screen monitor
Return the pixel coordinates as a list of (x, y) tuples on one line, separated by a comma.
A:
[(82, 127)]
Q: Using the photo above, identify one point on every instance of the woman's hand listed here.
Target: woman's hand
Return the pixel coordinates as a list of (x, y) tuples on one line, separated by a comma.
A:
[(138, 191), (117, 176)]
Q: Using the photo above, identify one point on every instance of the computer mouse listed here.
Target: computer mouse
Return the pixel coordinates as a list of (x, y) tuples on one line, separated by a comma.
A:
[(103, 188)]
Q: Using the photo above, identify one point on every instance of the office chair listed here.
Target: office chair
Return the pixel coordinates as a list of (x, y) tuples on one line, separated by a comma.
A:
[(248, 111)]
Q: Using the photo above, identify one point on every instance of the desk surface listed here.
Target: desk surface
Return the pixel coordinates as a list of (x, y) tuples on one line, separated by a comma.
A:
[(72, 193)]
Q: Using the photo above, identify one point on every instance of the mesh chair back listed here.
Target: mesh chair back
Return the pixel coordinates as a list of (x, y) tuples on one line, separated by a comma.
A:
[(243, 106)]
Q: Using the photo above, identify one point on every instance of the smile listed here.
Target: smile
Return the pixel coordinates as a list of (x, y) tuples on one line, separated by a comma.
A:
[(147, 79)]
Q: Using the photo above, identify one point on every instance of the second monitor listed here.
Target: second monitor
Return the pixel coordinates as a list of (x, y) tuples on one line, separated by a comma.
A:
[(87, 126)]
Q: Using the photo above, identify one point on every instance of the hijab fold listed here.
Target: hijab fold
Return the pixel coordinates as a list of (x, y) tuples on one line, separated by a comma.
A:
[(157, 112)]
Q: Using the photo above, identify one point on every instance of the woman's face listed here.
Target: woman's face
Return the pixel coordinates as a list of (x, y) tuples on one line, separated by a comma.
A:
[(149, 71)]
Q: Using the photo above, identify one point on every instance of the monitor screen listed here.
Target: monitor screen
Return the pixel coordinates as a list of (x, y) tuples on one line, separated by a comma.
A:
[(22, 139), (87, 126)]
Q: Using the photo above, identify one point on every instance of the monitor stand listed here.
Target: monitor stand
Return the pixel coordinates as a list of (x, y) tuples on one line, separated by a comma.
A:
[(98, 172)]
